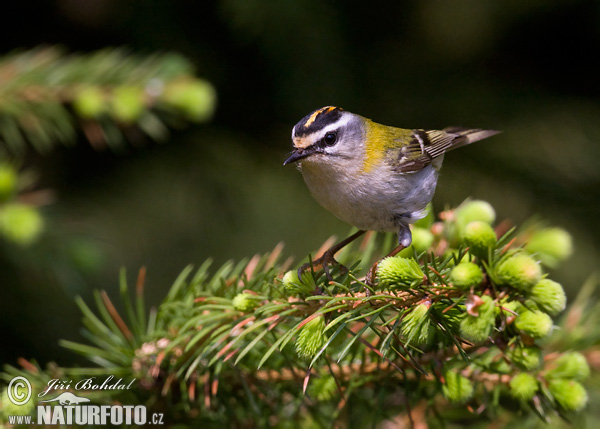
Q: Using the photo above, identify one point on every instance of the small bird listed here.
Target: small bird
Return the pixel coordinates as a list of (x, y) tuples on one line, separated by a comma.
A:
[(372, 176)]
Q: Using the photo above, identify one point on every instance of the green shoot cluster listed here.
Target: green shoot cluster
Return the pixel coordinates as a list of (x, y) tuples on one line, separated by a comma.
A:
[(498, 291), (104, 94), (461, 326), (50, 97)]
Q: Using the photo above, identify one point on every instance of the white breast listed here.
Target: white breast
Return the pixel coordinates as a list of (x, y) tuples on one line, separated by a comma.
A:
[(380, 200)]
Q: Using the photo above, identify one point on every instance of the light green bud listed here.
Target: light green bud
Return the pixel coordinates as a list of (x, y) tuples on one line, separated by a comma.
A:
[(290, 277), (549, 296), (523, 386), (127, 103), (89, 103), (569, 394), (550, 245), (530, 304), (527, 358), (520, 272), (422, 239), (415, 325), (8, 182), (571, 365), (476, 210), (10, 409), (457, 388), (478, 328), (196, 98), (466, 275), (20, 223), (311, 338), (322, 388), (534, 323), (291, 282), (245, 302), (398, 272), (479, 236)]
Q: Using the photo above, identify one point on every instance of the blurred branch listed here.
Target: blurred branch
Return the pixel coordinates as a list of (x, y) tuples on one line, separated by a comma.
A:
[(47, 96)]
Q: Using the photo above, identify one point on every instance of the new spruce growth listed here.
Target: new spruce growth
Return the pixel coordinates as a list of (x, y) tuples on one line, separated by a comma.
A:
[(550, 245), (475, 210), (549, 296), (479, 236), (311, 338), (520, 272), (534, 323), (525, 357), (457, 388), (459, 329), (478, 323), (466, 275), (524, 386), (569, 394), (245, 302), (415, 325), (399, 273), (571, 365)]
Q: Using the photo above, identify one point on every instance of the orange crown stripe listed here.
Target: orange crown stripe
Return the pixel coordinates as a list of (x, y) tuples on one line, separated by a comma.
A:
[(316, 113)]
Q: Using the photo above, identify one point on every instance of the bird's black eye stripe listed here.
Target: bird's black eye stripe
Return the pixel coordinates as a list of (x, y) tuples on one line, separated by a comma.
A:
[(330, 139)]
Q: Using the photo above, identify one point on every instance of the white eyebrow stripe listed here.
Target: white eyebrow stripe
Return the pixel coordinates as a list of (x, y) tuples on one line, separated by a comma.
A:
[(318, 135)]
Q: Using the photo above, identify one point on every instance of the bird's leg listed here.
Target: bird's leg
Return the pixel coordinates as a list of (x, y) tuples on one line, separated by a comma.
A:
[(404, 240), (328, 256)]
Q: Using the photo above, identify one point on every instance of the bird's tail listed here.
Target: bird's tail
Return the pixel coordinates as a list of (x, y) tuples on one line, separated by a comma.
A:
[(467, 136)]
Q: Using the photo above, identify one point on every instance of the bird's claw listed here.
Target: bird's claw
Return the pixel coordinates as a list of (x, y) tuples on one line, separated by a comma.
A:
[(371, 275), (325, 261)]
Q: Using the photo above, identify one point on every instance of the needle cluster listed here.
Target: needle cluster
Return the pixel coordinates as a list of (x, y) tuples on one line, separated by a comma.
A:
[(448, 333)]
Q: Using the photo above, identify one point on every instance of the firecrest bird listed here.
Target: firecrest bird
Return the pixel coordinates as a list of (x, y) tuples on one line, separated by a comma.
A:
[(372, 176)]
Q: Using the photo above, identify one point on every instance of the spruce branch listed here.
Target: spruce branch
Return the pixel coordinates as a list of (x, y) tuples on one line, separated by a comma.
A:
[(47, 95), (458, 329)]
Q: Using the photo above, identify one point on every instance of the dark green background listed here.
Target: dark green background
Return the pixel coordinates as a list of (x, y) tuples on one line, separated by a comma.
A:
[(219, 190)]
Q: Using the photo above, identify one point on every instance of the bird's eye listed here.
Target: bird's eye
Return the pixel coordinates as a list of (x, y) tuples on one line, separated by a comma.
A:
[(330, 139)]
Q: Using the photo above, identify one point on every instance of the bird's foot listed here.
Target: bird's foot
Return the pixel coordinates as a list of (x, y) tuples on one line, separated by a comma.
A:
[(372, 274), (325, 261)]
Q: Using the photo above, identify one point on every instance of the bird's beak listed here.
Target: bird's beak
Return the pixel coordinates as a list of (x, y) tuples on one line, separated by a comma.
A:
[(299, 154)]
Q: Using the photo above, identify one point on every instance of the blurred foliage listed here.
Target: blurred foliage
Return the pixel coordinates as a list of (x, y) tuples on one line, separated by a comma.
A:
[(44, 91), (421, 345), (219, 190), (47, 98)]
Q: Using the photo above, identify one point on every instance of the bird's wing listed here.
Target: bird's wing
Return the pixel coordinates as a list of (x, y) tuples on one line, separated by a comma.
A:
[(422, 148), (426, 145)]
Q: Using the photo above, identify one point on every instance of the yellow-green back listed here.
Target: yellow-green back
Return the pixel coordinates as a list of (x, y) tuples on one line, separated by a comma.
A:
[(379, 139)]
